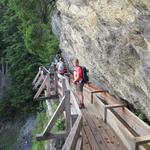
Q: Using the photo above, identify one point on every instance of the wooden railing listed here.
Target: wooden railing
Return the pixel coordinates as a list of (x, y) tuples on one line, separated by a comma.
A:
[(133, 132), (57, 87)]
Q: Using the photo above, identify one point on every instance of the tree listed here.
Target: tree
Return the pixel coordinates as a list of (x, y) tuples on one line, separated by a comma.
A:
[(26, 43)]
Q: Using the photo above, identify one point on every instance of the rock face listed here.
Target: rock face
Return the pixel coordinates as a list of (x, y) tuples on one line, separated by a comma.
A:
[(111, 38)]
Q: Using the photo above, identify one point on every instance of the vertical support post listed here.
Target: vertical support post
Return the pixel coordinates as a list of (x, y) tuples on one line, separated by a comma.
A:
[(63, 86), (136, 146), (48, 86), (91, 98), (68, 111), (105, 114), (55, 83)]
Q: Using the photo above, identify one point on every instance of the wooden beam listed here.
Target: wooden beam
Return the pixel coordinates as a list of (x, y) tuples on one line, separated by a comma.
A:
[(79, 145), (121, 130), (63, 86), (57, 112), (98, 91), (46, 69), (68, 111), (56, 83), (41, 88), (38, 82), (36, 77), (48, 86), (73, 98), (71, 141), (141, 140), (74, 118), (109, 107), (114, 106), (47, 136), (52, 97), (138, 126), (94, 92), (59, 84), (60, 76), (67, 82)]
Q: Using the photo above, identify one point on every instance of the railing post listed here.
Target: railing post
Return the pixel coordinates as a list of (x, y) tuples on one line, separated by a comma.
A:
[(63, 86), (55, 83), (48, 86), (68, 111)]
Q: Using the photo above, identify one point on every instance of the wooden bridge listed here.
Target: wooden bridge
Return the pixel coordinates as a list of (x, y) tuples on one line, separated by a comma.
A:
[(104, 124)]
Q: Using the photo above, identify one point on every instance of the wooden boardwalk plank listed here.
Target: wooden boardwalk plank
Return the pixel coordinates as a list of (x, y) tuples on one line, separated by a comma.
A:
[(86, 145), (98, 138), (105, 138), (90, 136), (112, 140)]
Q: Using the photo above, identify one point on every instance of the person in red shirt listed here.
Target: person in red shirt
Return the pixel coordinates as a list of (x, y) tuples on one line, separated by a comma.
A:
[(78, 75)]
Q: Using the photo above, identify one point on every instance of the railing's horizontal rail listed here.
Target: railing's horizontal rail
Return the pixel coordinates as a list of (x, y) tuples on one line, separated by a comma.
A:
[(73, 117), (47, 136), (106, 107), (71, 141)]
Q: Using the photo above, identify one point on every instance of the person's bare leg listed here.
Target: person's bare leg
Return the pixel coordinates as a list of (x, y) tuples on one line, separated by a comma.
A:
[(82, 97), (79, 97)]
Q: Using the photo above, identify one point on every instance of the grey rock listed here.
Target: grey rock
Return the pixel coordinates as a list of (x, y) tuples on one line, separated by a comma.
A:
[(111, 38)]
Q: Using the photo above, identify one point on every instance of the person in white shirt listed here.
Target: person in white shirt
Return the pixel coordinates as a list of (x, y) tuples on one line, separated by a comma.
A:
[(60, 66)]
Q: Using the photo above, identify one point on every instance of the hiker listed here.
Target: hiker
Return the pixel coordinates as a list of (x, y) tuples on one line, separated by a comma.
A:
[(60, 67), (56, 59), (78, 77)]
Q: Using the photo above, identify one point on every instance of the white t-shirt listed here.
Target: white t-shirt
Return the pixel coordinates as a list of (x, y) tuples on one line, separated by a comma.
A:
[(60, 66)]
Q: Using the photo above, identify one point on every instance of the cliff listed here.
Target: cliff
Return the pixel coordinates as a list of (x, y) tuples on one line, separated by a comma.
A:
[(111, 38)]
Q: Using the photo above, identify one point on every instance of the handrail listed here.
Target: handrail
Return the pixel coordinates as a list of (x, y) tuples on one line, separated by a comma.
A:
[(70, 143), (64, 105), (121, 120), (45, 69)]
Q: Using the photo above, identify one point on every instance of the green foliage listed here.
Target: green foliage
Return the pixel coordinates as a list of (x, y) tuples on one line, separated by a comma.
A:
[(142, 116), (26, 42), (35, 26), (41, 119), (9, 134), (60, 124)]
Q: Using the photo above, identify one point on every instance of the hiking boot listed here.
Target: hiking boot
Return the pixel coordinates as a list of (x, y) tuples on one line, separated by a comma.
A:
[(81, 106)]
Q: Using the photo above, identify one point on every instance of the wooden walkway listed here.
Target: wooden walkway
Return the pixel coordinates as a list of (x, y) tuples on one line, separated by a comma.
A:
[(104, 124), (97, 135)]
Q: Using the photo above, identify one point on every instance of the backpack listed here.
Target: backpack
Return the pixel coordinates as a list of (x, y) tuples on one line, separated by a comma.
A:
[(85, 76)]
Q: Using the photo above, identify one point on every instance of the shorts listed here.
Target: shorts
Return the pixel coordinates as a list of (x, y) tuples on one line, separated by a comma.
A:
[(79, 87)]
